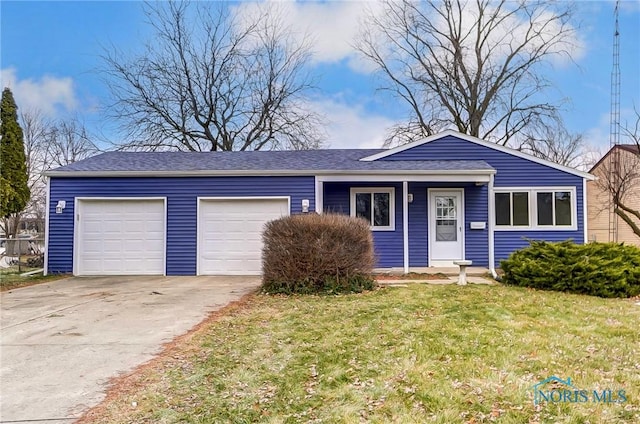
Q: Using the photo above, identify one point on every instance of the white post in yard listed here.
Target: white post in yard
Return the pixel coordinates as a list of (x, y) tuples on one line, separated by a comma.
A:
[(490, 226)]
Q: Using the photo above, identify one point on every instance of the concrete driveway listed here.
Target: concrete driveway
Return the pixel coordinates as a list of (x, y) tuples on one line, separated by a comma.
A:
[(62, 341)]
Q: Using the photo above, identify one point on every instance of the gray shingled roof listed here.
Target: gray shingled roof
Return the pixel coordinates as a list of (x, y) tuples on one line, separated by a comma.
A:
[(306, 161)]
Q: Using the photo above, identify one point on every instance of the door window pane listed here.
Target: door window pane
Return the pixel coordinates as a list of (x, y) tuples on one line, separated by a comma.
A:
[(563, 207), (446, 218), (446, 230), (363, 206), (445, 207), (545, 208), (381, 209), (521, 208), (503, 209)]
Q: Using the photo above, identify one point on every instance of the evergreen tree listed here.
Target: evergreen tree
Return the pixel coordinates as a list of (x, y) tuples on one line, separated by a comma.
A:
[(14, 190)]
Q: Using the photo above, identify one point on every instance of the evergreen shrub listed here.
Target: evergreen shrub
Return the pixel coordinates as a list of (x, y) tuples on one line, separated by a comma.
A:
[(311, 253), (597, 269)]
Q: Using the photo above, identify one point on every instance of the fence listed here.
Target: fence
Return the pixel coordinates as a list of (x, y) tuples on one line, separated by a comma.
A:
[(22, 254)]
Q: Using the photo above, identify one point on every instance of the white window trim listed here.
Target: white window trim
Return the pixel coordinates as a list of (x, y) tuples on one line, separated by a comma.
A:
[(533, 209), (392, 205)]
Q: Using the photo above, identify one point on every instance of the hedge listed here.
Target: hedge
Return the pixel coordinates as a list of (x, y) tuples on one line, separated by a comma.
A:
[(597, 269), (311, 253)]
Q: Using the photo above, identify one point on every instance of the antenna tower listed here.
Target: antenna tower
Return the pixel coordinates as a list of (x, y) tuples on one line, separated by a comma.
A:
[(614, 130)]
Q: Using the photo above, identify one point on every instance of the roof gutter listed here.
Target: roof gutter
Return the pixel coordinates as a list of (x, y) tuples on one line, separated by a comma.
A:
[(263, 173)]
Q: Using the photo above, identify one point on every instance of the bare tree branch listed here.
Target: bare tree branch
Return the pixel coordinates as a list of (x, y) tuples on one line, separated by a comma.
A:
[(68, 142), (49, 144), (211, 80), (552, 141)]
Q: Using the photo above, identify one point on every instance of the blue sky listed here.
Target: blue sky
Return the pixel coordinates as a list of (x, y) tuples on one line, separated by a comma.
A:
[(50, 54)]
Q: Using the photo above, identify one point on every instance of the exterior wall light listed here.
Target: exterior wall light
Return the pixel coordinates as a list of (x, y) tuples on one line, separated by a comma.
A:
[(60, 206)]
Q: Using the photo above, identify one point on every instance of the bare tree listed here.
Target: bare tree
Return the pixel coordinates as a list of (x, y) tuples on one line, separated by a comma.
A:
[(68, 142), (619, 176), (48, 144), (474, 64), (36, 128), (214, 80)]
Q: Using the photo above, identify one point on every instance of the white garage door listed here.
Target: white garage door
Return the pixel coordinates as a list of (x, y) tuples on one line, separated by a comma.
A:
[(230, 234), (120, 237)]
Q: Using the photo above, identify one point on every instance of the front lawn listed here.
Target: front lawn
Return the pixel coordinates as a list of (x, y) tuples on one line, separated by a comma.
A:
[(441, 354)]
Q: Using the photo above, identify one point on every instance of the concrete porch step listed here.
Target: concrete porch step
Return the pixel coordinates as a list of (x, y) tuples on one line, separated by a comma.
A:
[(404, 283)]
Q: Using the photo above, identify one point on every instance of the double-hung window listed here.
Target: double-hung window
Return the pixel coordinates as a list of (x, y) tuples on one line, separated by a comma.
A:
[(375, 205), (535, 208)]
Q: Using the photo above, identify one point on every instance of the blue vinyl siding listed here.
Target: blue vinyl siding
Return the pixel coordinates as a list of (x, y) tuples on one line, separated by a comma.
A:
[(418, 226), (512, 171), (181, 194), (475, 209), (476, 241), (388, 244)]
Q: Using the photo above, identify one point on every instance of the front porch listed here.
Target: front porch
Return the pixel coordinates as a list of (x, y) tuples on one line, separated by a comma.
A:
[(419, 222)]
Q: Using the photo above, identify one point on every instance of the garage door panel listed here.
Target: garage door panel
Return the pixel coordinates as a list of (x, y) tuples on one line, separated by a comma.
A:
[(118, 237), (230, 233)]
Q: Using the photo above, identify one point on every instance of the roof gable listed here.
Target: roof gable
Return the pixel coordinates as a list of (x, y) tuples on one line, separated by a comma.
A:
[(480, 142), (631, 148)]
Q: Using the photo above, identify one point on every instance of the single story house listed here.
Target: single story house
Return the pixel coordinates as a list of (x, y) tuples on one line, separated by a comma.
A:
[(431, 202), (619, 168)]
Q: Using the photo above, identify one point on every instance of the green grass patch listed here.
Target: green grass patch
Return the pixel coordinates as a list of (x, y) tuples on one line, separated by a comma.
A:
[(434, 354), (12, 279)]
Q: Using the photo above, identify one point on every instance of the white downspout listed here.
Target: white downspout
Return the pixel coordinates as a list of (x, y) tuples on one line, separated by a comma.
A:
[(46, 226), (405, 224), (492, 220), (319, 195)]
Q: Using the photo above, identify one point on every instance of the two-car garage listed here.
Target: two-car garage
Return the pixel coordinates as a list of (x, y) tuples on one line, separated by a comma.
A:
[(127, 236)]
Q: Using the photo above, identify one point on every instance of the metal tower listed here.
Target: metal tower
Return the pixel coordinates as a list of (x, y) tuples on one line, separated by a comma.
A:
[(614, 127)]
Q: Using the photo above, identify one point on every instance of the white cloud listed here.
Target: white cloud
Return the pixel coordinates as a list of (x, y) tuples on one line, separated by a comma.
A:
[(351, 126), (48, 94), (332, 27)]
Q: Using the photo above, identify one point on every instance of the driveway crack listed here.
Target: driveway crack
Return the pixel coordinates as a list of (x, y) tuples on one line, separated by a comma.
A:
[(52, 312)]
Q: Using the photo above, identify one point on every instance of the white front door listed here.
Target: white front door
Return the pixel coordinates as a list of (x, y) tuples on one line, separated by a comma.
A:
[(446, 227)]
